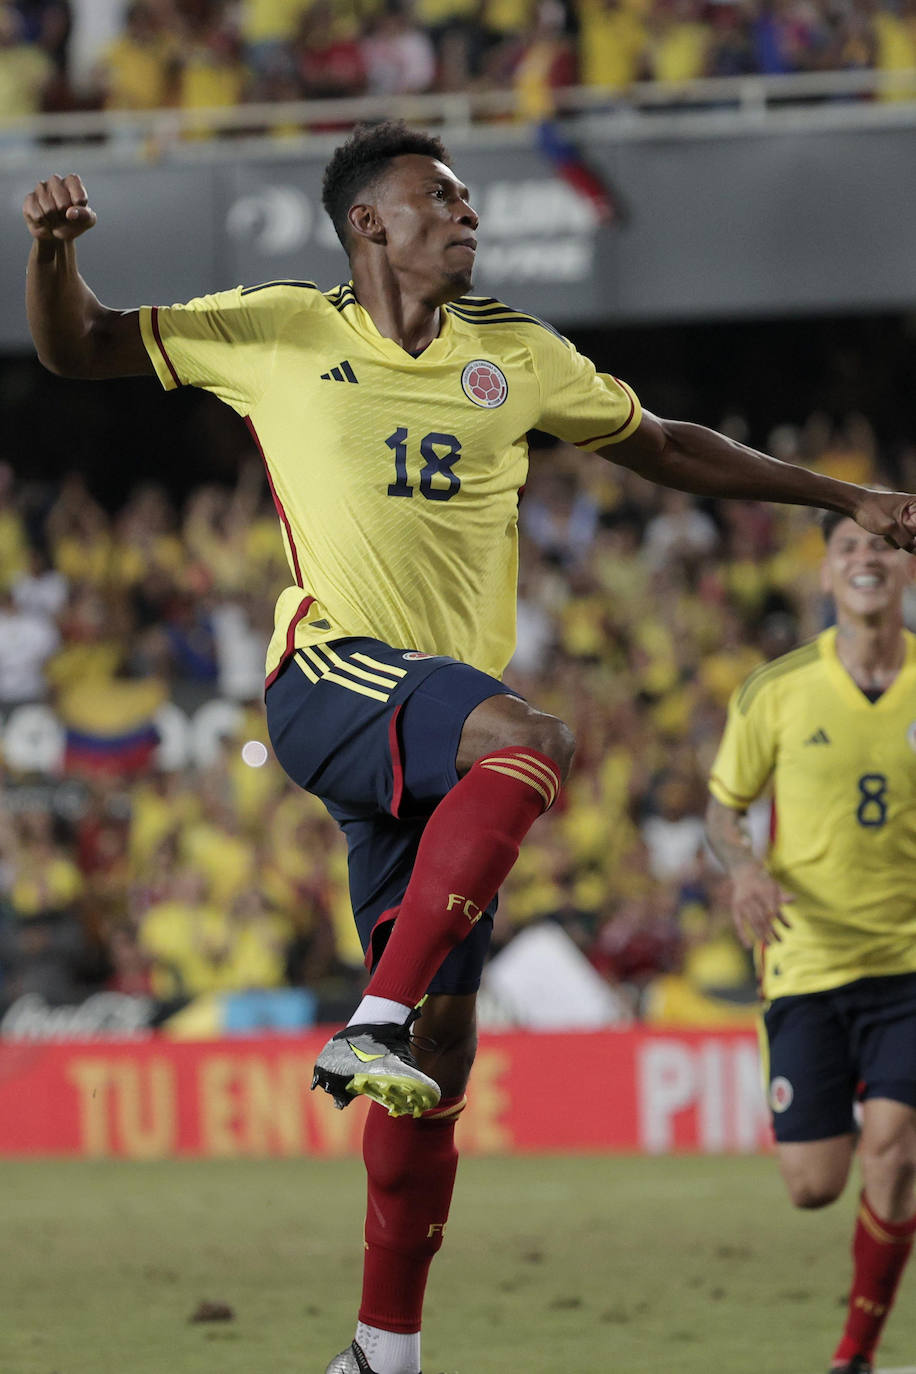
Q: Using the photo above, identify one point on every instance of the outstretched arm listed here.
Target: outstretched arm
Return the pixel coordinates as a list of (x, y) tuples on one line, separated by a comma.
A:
[(695, 459), (75, 335)]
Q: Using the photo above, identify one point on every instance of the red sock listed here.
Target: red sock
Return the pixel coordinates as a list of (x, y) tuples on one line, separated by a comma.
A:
[(880, 1250), (469, 845), (410, 1166)]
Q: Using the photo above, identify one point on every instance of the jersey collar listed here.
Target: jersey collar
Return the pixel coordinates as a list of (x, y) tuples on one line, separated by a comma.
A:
[(850, 691), (359, 319)]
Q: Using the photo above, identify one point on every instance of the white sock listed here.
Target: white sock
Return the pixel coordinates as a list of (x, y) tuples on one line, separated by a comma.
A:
[(388, 1352), (372, 1011)]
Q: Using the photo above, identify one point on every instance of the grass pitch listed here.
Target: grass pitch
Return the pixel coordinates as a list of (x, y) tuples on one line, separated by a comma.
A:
[(637, 1266)]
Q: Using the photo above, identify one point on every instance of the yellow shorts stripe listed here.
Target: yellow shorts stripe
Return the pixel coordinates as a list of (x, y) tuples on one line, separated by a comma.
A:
[(327, 674), (522, 777), (382, 667), (312, 676), (390, 682)]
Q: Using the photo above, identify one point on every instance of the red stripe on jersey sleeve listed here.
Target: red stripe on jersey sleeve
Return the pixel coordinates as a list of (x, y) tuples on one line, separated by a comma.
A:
[(284, 519), (154, 321), (620, 428)]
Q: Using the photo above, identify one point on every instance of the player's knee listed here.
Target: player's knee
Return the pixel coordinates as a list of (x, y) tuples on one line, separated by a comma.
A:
[(890, 1162), (809, 1194), (551, 737)]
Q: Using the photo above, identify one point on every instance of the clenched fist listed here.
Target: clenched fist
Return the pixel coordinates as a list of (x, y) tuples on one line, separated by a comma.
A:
[(58, 209)]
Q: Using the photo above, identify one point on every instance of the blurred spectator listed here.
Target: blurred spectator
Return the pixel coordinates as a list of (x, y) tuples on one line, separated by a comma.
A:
[(45, 949), (679, 41), (211, 72), (613, 42), (267, 28), (731, 49), (40, 589), (13, 539), (328, 55), (26, 69), (139, 69), (398, 54), (544, 62), (27, 641), (675, 834), (680, 531), (893, 45)]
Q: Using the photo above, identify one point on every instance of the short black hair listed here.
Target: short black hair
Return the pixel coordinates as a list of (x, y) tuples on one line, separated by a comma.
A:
[(365, 155), (828, 520)]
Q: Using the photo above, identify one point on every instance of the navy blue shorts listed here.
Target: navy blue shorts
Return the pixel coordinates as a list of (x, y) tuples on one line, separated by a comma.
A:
[(828, 1050), (374, 732)]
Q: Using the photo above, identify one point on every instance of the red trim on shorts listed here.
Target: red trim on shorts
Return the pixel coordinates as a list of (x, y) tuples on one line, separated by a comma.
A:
[(386, 918), (306, 605), (397, 764), (614, 432), (154, 321), (284, 518)]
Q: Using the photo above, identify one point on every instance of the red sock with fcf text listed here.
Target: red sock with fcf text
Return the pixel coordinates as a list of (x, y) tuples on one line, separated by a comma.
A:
[(880, 1250), (410, 1169), (469, 845)]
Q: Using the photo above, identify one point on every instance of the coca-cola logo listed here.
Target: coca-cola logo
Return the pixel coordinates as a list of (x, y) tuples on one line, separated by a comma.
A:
[(102, 1014)]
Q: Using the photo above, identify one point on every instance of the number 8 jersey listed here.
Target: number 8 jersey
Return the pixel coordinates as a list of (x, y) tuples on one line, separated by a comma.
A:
[(395, 478), (843, 833)]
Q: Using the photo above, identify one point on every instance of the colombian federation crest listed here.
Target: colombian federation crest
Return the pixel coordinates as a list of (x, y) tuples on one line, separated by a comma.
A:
[(781, 1094), (484, 384), (911, 736)]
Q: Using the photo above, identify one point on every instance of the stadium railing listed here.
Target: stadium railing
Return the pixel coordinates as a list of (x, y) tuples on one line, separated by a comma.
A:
[(720, 105)]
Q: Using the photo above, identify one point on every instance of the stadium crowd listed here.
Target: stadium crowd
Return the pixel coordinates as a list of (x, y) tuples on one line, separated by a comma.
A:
[(640, 610), (196, 54)]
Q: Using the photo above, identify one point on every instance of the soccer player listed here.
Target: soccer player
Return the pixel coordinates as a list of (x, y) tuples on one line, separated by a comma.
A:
[(832, 911), (391, 413)]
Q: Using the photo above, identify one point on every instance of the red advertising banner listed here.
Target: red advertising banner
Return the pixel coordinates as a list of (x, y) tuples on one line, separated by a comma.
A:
[(624, 1091)]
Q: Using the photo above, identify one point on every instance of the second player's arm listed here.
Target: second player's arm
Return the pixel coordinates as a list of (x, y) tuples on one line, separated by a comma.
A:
[(756, 898), (698, 460), (74, 334)]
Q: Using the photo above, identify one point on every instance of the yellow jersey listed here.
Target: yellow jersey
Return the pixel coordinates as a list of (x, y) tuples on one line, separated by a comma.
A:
[(843, 838), (396, 478)]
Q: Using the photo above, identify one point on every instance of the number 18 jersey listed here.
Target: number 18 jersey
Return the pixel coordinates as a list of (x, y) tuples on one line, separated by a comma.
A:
[(395, 478), (843, 772)]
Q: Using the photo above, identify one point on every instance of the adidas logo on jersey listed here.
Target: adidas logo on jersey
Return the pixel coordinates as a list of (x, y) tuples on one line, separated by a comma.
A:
[(819, 737), (342, 373)]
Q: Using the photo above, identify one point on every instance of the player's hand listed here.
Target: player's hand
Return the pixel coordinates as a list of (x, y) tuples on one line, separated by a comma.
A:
[(757, 902), (892, 514), (58, 209)]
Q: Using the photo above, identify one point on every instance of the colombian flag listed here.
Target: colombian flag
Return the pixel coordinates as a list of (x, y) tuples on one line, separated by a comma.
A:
[(110, 725), (569, 164)]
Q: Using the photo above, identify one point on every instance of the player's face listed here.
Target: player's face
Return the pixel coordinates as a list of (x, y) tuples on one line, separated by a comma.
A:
[(429, 225), (865, 576)]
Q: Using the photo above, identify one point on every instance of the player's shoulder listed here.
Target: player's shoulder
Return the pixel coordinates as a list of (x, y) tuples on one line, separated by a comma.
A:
[(272, 307), (788, 669), (490, 315), (282, 292)]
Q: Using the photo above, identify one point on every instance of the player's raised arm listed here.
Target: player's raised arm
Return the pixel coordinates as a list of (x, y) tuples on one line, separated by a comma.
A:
[(699, 460), (74, 334)]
